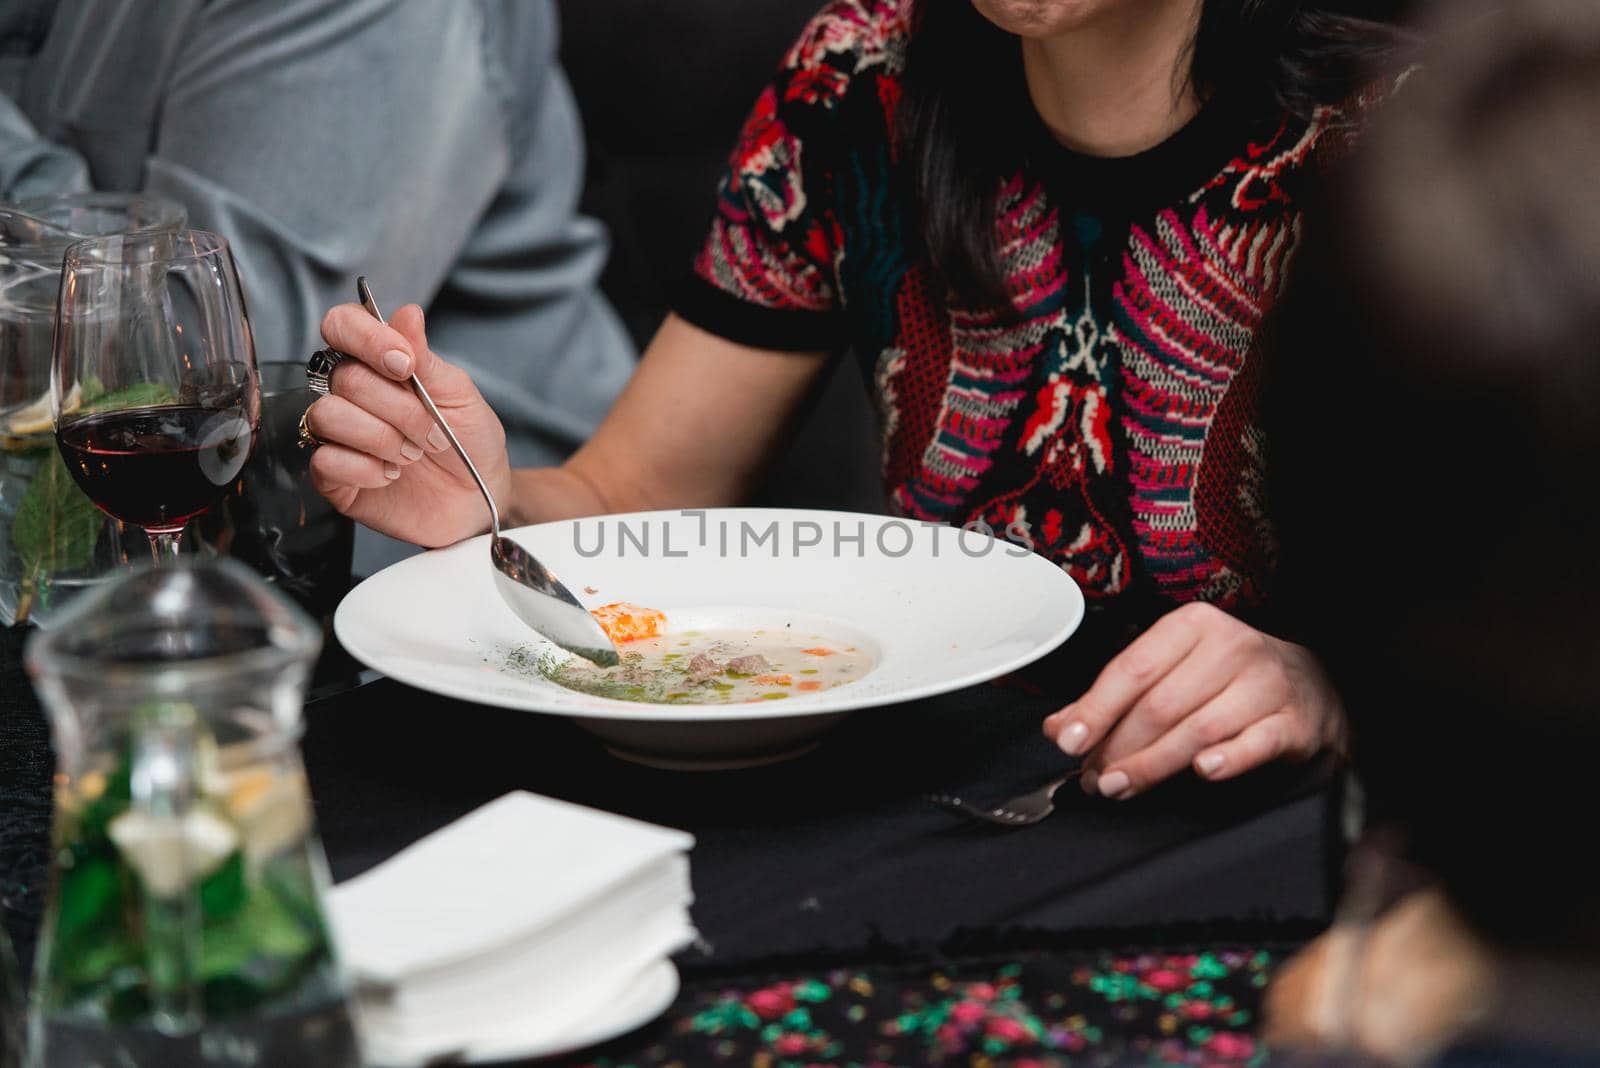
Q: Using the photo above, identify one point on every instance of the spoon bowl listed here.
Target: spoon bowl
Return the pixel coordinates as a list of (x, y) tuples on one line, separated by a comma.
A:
[(543, 603), (528, 588)]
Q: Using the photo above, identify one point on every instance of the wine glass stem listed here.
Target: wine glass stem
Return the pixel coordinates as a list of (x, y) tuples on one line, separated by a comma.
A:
[(166, 546)]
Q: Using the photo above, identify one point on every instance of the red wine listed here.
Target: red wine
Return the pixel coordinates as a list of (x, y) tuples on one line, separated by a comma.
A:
[(157, 467)]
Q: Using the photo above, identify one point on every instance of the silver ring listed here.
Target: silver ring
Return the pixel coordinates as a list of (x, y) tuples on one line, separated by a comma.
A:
[(303, 435), (319, 369)]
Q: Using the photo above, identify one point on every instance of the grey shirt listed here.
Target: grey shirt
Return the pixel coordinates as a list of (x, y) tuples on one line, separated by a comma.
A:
[(431, 144)]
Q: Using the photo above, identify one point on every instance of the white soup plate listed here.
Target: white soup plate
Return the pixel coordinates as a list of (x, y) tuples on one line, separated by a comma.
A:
[(938, 609)]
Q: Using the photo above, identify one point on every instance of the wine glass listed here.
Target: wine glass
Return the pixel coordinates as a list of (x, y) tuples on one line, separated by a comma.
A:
[(153, 388)]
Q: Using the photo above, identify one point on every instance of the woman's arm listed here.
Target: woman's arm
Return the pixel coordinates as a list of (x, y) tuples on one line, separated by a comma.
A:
[(693, 427)]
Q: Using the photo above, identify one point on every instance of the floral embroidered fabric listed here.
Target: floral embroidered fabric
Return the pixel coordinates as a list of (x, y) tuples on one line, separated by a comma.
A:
[(1084, 1008)]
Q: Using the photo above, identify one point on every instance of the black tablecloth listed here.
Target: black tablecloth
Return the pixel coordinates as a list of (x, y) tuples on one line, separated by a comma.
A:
[(837, 852), (832, 856)]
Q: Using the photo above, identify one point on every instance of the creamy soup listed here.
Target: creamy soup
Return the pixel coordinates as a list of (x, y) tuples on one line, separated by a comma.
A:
[(715, 667)]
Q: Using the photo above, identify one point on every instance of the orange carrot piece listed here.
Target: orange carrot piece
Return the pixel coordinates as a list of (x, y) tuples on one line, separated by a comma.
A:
[(775, 680), (819, 651), (625, 622), (809, 686)]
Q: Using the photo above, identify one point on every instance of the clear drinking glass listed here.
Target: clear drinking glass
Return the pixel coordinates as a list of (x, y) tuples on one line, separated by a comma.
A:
[(53, 541), (154, 392), (185, 923)]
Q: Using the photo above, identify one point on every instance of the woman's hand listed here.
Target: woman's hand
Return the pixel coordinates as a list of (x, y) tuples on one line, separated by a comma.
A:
[(384, 462), (1199, 688)]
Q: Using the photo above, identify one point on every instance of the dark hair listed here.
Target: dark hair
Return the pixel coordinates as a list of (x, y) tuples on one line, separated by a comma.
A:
[(965, 119), (1435, 453)]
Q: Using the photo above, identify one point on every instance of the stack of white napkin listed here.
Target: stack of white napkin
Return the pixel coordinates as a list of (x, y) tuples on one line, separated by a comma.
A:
[(510, 929)]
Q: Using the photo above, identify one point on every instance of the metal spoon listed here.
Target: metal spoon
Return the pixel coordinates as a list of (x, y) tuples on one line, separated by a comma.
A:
[(528, 587)]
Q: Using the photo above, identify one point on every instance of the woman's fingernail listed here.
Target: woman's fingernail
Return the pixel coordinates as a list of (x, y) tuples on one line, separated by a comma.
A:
[(391, 472), (1090, 782), (1073, 738), (410, 451), (1114, 784), (397, 363), (1210, 763), (437, 441)]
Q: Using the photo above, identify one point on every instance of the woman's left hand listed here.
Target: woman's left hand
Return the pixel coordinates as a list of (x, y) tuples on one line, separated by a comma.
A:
[(1198, 688)]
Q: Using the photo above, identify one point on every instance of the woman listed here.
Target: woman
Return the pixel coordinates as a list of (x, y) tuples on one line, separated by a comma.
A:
[(1051, 228)]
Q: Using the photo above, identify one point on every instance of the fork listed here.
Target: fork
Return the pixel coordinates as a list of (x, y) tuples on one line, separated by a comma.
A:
[(1021, 811)]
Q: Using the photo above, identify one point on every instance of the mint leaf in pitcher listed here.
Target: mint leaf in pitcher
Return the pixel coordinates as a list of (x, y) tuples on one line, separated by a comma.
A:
[(138, 395), (54, 530)]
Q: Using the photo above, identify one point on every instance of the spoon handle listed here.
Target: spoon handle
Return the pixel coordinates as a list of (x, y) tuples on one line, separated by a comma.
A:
[(365, 292)]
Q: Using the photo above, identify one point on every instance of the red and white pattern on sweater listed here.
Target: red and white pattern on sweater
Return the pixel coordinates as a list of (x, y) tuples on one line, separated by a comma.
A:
[(934, 467), (847, 39), (1195, 289), (747, 254), (987, 362)]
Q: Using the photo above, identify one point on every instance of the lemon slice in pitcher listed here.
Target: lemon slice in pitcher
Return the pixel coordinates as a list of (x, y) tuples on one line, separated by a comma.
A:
[(23, 427)]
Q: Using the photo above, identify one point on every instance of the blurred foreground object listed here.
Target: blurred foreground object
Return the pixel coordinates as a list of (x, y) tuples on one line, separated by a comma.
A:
[(1399, 985), (185, 923), (1452, 301)]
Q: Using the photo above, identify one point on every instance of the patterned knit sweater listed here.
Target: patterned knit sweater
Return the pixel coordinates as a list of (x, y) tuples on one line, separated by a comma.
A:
[(1114, 419)]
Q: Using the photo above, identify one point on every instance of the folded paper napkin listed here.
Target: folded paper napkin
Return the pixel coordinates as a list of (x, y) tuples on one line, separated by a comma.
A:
[(510, 927)]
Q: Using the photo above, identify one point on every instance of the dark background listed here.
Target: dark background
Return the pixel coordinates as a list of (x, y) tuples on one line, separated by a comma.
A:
[(664, 89)]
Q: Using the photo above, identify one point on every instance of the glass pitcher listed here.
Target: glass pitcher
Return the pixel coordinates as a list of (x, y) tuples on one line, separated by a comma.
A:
[(53, 540), (10, 1006), (185, 923)]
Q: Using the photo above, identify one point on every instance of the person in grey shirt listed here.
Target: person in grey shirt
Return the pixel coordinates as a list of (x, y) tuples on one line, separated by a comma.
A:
[(433, 145)]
